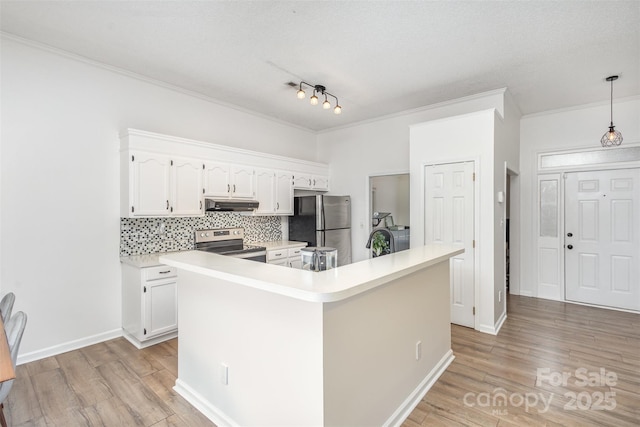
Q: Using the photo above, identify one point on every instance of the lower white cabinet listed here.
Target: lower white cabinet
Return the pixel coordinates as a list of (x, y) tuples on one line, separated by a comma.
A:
[(149, 304), (287, 257)]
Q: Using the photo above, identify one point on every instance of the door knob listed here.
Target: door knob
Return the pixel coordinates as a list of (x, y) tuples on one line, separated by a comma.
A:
[(569, 246), (569, 234)]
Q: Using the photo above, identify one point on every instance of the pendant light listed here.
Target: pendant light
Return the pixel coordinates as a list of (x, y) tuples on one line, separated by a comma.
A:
[(612, 137)]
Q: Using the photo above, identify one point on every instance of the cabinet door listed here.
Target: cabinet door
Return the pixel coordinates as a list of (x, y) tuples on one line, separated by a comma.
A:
[(295, 263), (284, 193), (283, 262), (150, 184), (242, 182), (301, 181), (320, 182), (160, 307), (187, 187), (265, 191), (216, 179)]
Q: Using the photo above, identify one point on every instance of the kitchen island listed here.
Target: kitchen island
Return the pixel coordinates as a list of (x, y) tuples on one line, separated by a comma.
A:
[(356, 345)]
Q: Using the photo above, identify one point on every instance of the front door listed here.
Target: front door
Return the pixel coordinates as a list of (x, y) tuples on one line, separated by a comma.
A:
[(449, 214), (602, 243)]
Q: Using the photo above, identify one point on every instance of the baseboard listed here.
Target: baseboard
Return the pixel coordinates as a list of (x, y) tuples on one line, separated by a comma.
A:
[(500, 322), (148, 343), (218, 417), (395, 420), (526, 293), (401, 414), (68, 346)]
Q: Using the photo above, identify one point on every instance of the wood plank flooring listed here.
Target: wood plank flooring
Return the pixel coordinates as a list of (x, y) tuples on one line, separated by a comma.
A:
[(540, 334), (114, 384)]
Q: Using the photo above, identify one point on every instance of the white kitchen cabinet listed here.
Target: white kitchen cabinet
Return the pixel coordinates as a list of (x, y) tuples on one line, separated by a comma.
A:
[(159, 176), (304, 181), (274, 192), (217, 179), (284, 193), (320, 182), (149, 304), (266, 191), (162, 185), (243, 182), (287, 256), (294, 258), (149, 184), (187, 187), (227, 181)]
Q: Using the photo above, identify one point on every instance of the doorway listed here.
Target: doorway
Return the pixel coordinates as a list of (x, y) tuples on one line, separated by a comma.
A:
[(602, 241), (389, 206), (449, 214)]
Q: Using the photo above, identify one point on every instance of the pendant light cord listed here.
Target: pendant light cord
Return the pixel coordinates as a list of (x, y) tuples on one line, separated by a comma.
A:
[(611, 103)]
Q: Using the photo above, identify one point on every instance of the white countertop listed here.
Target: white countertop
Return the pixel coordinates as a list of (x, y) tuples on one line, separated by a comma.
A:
[(281, 244), (142, 261), (324, 286)]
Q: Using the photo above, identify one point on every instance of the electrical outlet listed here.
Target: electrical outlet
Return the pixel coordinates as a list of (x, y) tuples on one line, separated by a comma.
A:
[(224, 374), (418, 350)]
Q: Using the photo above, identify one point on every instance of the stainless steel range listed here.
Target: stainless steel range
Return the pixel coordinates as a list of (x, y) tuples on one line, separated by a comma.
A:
[(230, 242)]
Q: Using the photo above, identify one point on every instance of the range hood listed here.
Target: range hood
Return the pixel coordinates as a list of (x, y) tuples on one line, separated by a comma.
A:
[(227, 205)]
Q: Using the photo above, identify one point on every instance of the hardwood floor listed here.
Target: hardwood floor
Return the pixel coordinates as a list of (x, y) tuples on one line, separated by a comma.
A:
[(114, 384), (106, 384), (540, 334)]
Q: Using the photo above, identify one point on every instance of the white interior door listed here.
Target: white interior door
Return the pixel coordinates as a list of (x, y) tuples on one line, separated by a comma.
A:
[(602, 244), (449, 214)]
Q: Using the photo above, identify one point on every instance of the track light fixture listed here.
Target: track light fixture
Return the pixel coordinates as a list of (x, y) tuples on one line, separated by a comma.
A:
[(319, 89), (612, 137)]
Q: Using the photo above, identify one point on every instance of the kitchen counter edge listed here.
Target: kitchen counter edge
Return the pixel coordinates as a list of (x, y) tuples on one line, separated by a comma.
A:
[(324, 286)]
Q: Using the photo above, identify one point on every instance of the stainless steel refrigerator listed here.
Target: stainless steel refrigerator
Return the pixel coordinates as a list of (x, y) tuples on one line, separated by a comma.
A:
[(323, 221)]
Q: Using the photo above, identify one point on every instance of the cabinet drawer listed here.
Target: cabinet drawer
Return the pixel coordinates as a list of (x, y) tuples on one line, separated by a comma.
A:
[(294, 252), (159, 272), (276, 254)]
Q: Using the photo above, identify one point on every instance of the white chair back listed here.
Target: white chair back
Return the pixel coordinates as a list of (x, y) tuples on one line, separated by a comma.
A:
[(14, 329), (6, 306)]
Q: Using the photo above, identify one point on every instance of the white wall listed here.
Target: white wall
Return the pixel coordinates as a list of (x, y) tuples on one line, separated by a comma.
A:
[(506, 154), (60, 183), (580, 127), (470, 138), (381, 147)]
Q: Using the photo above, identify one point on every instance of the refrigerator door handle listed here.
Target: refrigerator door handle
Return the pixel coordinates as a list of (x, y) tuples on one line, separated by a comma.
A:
[(319, 238)]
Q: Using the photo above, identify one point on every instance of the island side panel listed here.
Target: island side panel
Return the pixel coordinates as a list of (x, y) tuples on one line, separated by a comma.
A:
[(370, 346), (272, 346)]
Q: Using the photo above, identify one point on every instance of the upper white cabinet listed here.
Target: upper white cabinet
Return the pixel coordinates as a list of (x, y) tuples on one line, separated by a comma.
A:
[(217, 179), (243, 182), (161, 185), (223, 180), (304, 181), (284, 193), (149, 186), (155, 181), (187, 186), (266, 191), (274, 192)]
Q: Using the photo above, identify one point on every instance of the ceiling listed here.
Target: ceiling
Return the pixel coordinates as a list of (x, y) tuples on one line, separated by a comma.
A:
[(377, 57)]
